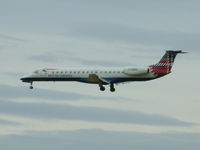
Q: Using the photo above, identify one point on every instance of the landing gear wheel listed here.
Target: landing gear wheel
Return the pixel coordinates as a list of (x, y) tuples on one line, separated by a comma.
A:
[(31, 86), (102, 88), (112, 88)]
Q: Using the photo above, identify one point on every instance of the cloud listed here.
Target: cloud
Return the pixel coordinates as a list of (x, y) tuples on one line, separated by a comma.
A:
[(6, 122), (46, 57), (42, 58), (98, 140), (11, 38), (13, 74), (101, 63), (24, 92), (73, 112), (132, 35), (68, 112), (53, 57)]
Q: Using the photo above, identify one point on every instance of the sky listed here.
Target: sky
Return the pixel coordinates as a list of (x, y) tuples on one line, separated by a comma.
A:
[(158, 114)]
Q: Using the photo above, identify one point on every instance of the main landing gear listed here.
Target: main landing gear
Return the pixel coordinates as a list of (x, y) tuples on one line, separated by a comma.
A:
[(112, 88), (102, 88), (31, 86)]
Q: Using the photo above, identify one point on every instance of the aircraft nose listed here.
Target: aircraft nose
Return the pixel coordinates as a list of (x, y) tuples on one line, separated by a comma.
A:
[(26, 78)]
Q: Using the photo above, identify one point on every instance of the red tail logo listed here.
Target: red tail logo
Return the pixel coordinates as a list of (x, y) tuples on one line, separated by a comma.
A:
[(164, 66)]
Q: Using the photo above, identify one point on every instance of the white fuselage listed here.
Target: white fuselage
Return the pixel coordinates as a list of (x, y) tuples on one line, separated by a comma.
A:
[(106, 75)]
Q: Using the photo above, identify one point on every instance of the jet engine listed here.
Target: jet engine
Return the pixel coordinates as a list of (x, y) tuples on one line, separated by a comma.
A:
[(135, 71)]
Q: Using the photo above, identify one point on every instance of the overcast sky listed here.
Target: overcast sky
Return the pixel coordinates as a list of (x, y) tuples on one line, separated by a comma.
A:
[(159, 114)]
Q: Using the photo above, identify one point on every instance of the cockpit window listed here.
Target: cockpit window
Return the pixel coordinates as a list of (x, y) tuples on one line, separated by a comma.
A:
[(36, 71), (44, 70)]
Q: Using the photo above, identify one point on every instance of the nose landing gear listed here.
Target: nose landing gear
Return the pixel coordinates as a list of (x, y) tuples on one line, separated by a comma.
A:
[(31, 86)]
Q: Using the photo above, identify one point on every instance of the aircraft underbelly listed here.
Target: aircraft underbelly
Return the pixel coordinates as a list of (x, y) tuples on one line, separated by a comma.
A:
[(85, 80)]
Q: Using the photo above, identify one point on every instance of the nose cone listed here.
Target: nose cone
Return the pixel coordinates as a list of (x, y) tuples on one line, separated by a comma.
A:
[(26, 79)]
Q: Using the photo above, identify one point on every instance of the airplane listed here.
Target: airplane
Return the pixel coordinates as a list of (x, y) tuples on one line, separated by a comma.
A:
[(106, 76)]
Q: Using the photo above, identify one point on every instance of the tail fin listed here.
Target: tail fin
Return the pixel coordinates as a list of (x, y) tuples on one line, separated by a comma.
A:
[(164, 66)]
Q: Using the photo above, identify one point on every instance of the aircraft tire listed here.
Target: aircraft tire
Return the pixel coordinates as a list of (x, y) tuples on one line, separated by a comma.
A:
[(112, 89), (102, 88)]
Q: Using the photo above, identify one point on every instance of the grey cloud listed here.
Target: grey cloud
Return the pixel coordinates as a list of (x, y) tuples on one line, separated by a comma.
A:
[(87, 114), (71, 112), (104, 63), (116, 33), (43, 58), (98, 140), (7, 91), (6, 122), (13, 74), (22, 92), (50, 56), (83, 61), (12, 38), (144, 13)]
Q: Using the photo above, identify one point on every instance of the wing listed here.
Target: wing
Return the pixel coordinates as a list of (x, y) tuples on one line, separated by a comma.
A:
[(93, 78)]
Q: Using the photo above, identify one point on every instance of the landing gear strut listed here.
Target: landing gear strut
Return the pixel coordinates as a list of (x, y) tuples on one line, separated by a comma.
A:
[(31, 86), (102, 88), (112, 88)]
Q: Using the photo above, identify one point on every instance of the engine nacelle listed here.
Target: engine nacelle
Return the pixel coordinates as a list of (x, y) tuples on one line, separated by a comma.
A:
[(135, 71)]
